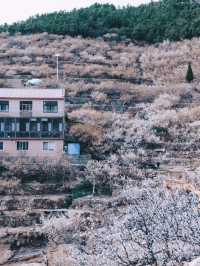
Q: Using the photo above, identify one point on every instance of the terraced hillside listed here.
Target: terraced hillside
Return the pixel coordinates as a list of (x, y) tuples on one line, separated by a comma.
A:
[(133, 113)]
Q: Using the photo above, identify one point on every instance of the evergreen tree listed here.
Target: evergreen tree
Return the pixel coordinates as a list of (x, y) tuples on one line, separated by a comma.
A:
[(151, 23), (189, 75)]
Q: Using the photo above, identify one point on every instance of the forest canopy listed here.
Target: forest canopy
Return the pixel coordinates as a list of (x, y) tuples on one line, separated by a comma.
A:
[(151, 23)]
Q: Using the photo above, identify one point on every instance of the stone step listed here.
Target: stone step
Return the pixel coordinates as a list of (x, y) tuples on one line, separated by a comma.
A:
[(30, 236), (27, 254), (170, 163), (79, 160), (32, 188), (179, 164), (20, 218), (171, 171), (22, 237), (35, 202)]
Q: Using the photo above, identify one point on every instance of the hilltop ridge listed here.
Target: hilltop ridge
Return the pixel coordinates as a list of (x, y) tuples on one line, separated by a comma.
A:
[(150, 23)]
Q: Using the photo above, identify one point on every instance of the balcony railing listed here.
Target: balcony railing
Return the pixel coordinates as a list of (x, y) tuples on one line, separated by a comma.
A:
[(31, 134)]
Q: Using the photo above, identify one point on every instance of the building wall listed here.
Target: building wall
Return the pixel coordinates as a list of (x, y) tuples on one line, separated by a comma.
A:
[(35, 148), (37, 109), (37, 96)]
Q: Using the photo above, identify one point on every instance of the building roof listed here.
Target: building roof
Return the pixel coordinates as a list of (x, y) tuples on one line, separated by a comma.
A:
[(31, 93)]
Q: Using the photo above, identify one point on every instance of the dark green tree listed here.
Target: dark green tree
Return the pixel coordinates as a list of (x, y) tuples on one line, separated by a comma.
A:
[(189, 75), (151, 23)]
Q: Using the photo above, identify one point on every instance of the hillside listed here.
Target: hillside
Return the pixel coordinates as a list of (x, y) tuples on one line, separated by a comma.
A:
[(164, 20), (133, 112), (33, 56)]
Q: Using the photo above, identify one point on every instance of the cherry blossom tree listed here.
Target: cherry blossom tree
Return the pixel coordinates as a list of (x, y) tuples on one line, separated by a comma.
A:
[(158, 228)]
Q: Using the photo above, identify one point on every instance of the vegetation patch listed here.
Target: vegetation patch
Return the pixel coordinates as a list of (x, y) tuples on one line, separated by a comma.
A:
[(154, 22), (161, 131), (81, 190)]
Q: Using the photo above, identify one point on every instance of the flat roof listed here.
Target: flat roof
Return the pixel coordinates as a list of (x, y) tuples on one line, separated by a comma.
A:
[(31, 93)]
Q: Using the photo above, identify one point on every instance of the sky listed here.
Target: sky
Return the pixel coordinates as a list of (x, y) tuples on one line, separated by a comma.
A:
[(16, 10)]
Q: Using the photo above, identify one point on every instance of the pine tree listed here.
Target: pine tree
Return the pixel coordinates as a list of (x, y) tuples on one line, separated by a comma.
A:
[(189, 75)]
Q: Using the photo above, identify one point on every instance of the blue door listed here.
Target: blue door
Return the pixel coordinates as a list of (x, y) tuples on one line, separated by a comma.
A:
[(74, 149)]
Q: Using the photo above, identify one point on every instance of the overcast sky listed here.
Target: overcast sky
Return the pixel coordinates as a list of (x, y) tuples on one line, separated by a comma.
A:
[(15, 10)]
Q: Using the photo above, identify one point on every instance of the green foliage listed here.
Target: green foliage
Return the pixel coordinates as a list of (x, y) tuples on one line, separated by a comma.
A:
[(81, 190), (68, 201), (3, 168), (161, 131), (189, 75), (155, 22)]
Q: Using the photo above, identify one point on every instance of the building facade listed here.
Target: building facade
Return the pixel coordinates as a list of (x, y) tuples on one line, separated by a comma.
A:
[(31, 122)]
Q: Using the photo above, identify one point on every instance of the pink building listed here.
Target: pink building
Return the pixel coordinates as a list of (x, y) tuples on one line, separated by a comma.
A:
[(31, 122)]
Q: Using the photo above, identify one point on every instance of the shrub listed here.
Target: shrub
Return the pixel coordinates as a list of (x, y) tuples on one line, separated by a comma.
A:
[(42, 170), (87, 133)]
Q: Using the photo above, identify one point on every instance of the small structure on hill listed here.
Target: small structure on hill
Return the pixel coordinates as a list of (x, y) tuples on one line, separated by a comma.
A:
[(33, 82)]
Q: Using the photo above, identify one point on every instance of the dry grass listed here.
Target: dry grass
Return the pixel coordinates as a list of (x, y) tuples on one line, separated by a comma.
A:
[(60, 256), (127, 90), (182, 184), (100, 57), (87, 133), (92, 117), (168, 62), (188, 115)]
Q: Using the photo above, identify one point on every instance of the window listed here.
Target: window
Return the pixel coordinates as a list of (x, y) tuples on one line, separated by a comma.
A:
[(47, 146), (25, 106), (4, 106), (2, 126), (7, 126), (22, 145), (50, 106), (1, 146), (49, 126), (60, 127), (24, 125), (38, 127), (33, 126), (45, 126), (17, 127), (13, 126)]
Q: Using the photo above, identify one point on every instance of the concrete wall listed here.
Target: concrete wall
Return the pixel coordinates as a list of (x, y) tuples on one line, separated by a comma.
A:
[(37, 108), (35, 148)]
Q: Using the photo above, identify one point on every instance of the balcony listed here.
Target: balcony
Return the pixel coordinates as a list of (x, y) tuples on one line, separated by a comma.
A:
[(11, 128), (32, 135)]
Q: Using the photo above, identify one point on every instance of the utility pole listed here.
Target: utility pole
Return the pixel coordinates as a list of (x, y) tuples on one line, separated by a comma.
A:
[(57, 66)]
